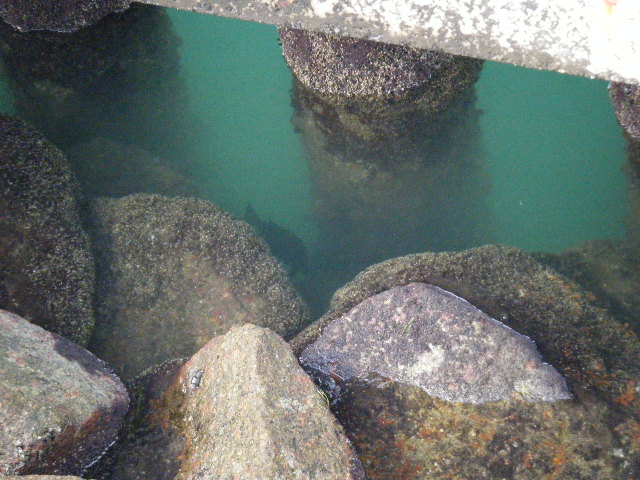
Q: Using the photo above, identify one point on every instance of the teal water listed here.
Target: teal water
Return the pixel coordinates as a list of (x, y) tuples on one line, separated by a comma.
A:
[(554, 148), (548, 144)]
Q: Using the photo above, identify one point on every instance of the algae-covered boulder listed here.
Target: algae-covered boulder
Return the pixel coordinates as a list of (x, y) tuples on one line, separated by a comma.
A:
[(60, 407), (242, 408), (609, 269), (173, 273), (47, 267), (441, 387), (60, 16)]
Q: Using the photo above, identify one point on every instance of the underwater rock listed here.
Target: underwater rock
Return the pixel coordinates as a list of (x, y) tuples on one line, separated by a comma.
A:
[(400, 429), (110, 169), (421, 335), (285, 245), (626, 103), (175, 272), (585, 343), (609, 269), (241, 407), (59, 16), (60, 407), (119, 78), (401, 432), (45, 259)]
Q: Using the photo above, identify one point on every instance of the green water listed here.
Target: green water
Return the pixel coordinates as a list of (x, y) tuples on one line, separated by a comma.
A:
[(549, 145), (554, 148)]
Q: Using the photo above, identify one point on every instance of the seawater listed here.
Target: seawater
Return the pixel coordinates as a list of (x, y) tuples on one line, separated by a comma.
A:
[(553, 147), (549, 143)]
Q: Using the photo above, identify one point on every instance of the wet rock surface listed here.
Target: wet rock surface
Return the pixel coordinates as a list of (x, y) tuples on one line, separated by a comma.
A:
[(421, 335), (59, 16), (609, 269), (626, 102), (173, 273), (240, 408), (60, 407), (47, 267), (401, 430)]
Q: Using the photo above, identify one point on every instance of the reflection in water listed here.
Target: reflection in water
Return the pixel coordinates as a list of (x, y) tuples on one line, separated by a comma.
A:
[(118, 79), (395, 162)]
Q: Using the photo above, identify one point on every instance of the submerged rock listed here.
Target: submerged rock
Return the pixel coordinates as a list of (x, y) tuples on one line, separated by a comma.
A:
[(60, 407), (175, 272), (110, 169), (239, 408), (119, 78), (47, 267), (59, 16), (609, 269), (372, 349), (421, 335)]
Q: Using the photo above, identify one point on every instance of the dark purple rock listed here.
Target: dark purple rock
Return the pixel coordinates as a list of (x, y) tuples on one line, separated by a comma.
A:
[(422, 335), (59, 15), (60, 407)]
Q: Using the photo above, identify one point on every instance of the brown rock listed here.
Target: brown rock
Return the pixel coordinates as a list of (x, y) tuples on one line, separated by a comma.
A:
[(241, 408), (626, 103), (60, 408), (173, 273), (47, 267)]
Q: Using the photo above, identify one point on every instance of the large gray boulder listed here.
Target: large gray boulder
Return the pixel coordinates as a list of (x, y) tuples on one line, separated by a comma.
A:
[(60, 407), (45, 259), (59, 16), (240, 408), (175, 272)]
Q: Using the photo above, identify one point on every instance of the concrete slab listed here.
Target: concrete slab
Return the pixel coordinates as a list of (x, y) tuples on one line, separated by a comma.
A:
[(593, 38)]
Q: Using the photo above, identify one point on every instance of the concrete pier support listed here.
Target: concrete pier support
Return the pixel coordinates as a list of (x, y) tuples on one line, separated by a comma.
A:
[(593, 38)]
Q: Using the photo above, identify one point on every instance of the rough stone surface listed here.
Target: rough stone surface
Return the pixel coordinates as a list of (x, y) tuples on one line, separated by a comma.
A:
[(110, 169), (173, 273), (586, 344), (421, 335), (626, 102), (241, 408), (403, 427), (47, 268), (59, 16), (609, 269), (401, 432), (333, 65), (60, 407)]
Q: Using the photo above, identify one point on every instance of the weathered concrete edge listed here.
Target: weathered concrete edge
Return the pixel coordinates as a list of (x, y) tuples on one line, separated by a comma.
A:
[(592, 38)]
